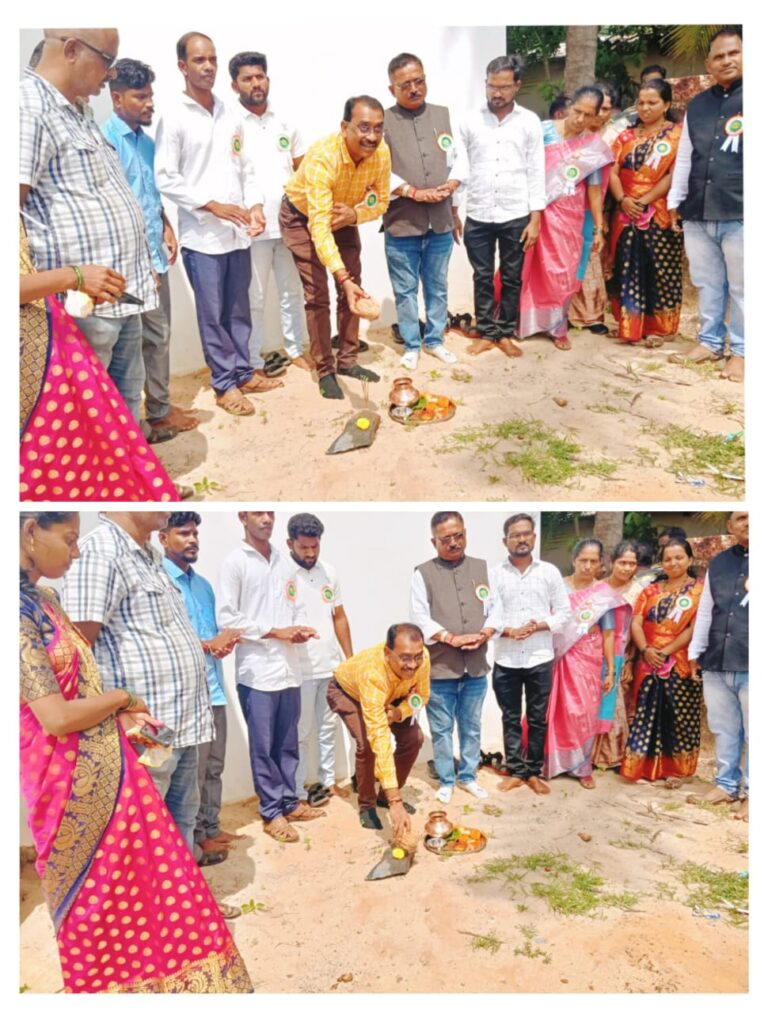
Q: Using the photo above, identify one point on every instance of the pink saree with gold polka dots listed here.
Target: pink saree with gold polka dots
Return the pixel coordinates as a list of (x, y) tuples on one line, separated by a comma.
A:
[(79, 441), (131, 910)]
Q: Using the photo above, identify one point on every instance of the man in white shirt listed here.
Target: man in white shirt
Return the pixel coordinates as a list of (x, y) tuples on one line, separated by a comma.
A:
[(257, 593), (272, 150), (197, 166), (504, 145), (319, 594), (535, 604)]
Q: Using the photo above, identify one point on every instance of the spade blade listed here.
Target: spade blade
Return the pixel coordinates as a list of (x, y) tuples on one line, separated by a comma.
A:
[(391, 866), (353, 437)]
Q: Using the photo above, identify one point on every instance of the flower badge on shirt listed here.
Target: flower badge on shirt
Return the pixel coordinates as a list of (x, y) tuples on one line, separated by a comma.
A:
[(734, 128), (370, 198), (283, 142), (326, 593), (445, 143), (416, 703), (682, 605), (572, 175), (482, 593), (237, 143), (291, 590), (660, 150)]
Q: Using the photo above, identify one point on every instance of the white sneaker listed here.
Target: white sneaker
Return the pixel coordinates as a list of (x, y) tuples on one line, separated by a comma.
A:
[(444, 793), (473, 788), (410, 360), (443, 354)]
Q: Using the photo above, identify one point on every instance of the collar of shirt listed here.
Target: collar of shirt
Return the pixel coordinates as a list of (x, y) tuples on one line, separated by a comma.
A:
[(122, 128), (723, 92), (130, 542), (268, 114), (176, 571), (494, 119), (521, 573), (56, 95), (218, 105)]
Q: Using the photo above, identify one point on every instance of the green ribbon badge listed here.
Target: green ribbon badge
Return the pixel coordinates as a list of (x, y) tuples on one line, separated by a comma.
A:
[(482, 592), (283, 142), (291, 590), (371, 200), (445, 142), (237, 144), (326, 593)]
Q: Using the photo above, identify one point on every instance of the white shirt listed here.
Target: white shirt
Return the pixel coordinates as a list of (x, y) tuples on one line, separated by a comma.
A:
[(703, 622), (539, 593), (678, 190), (420, 614), (505, 169), (198, 159), (270, 145), (254, 594), (319, 594)]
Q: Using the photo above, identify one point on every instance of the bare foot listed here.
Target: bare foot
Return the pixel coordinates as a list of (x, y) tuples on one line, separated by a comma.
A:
[(673, 783), (211, 844), (510, 348), (178, 417), (226, 838), (562, 344), (701, 353), (743, 813), (587, 782), (340, 792), (540, 787), (481, 345), (734, 369), (302, 363), (509, 783), (717, 795)]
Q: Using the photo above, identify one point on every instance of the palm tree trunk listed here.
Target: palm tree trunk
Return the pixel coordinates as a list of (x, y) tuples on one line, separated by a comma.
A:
[(580, 56)]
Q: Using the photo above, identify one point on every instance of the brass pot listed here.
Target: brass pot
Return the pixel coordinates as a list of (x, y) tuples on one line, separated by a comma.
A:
[(438, 824), (403, 393)]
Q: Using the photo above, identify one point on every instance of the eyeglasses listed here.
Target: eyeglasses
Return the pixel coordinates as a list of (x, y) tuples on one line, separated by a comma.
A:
[(500, 87), (447, 539), (364, 129), (417, 82), (407, 659), (109, 59)]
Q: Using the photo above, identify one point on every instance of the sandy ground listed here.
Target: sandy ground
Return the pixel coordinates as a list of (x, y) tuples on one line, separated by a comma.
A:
[(615, 394), (319, 927)]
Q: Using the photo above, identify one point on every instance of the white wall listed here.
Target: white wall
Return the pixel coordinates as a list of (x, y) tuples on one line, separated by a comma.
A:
[(309, 83), (374, 552)]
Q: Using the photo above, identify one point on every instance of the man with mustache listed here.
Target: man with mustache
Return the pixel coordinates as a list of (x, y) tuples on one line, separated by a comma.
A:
[(342, 182)]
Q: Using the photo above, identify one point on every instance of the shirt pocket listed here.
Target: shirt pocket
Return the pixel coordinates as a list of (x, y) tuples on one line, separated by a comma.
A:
[(154, 602), (91, 160)]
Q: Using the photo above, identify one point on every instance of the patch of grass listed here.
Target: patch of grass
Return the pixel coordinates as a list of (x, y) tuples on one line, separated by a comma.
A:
[(263, 416), (665, 891), (625, 843), (622, 391), (492, 810), (435, 374), (670, 807), (461, 375), (601, 408), (528, 933), (706, 369), (728, 408), (206, 486), (24, 988), (693, 451), (489, 942), (652, 367), (253, 905), (742, 848), (521, 907), (467, 809), (709, 887), (494, 479)]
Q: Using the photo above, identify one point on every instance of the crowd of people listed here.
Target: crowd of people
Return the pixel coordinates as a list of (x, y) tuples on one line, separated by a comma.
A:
[(589, 205), (124, 714)]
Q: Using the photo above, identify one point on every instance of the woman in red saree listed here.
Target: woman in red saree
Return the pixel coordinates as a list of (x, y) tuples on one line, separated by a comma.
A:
[(666, 729), (646, 286), (131, 910), (575, 184), (581, 648)]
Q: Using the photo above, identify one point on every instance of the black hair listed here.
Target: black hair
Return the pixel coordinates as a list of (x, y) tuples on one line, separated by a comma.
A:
[(653, 68), (590, 91), (35, 55), (305, 524), (366, 100), (131, 74), (626, 545), (503, 63), (515, 519), (583, 543), (444, 515), (411, 630), (664, 88), (181, 45), (685, 544), (728, 30), (609, 91), (240, 60), (644, 554), (29, 596), (559, 103), (400, 61), (178, 520), (674, 532)]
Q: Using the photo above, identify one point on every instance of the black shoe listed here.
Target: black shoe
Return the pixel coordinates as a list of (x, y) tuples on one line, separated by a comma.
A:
[(383, 803), (598, 328), (212, 858), (369, 820), (362, 346), (329, 387), (318, 795), (359, 373), (353, 783), (397, 336)]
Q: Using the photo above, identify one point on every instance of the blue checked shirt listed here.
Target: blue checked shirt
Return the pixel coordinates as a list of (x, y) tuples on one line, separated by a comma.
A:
[(146, 640), (80, 208), (201, 609), (136, 151)]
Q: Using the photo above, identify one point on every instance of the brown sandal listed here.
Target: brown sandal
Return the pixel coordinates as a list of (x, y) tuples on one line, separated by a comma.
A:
[(653, 341), (233, 402), (304, 812), (280, 830), (260, 384)]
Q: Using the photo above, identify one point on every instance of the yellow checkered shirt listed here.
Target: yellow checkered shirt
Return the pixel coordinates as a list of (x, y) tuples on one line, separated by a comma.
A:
[(328, 176)]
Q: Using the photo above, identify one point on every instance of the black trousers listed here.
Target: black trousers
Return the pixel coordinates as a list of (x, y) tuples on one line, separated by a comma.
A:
[(480, 239), (508, 685)]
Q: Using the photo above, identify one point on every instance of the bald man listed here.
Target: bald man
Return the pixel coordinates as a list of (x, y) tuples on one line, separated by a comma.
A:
[(76, 203)]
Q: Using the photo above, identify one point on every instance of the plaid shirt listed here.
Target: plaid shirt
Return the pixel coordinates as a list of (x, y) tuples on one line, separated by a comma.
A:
[(80, 208), (146, 640), (367, 677), (328, 176)]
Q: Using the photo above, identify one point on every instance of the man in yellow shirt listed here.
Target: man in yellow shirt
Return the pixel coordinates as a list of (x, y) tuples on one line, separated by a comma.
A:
[(342, 182), (378, 693)]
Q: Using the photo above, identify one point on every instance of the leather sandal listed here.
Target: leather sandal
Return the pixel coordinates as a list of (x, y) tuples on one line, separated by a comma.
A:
[(279, 829), (234, 403), (303, 812), (259, 384)]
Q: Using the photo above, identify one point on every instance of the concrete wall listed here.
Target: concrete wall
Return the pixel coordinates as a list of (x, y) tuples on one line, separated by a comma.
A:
[(311, 86)]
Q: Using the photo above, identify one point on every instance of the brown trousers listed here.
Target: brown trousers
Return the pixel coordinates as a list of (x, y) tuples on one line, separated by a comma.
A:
[(408, 742), (294, 229)]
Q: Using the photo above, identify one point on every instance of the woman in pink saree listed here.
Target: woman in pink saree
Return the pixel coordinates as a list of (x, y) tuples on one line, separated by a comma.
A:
[(131, 910), (581, 648), (575, 184)]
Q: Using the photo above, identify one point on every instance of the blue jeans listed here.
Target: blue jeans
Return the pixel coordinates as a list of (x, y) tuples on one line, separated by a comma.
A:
[(459, 700), (715, 253), (726, 695), (176, 780), (410, 258), (117, 343)]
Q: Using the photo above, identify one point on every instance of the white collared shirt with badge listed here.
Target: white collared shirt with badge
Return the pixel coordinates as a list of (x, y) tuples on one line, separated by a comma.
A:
[(270, 144), (539, 593), (319, 594), (197, 160), (256, 595)]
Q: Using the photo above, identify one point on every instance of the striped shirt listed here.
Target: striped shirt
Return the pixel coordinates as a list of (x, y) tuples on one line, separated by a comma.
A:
[(146, 640), (80, 208), (328, 176), (367, 677)]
